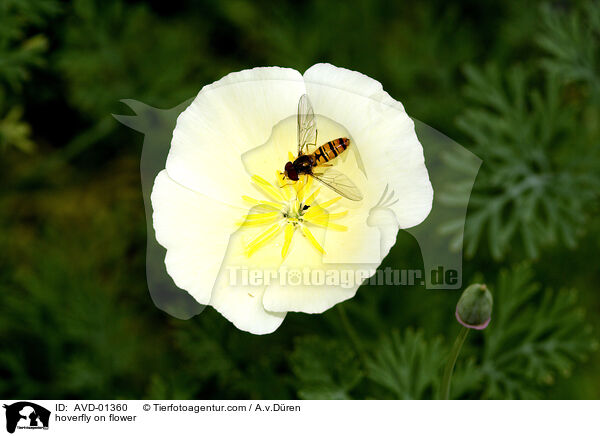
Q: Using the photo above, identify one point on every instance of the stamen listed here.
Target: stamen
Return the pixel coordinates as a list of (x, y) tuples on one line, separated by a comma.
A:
[(288, 212), (285, 186), (296, 205), (330, 202), (267, 188), (337, 215), (261, 202), (327, 225), (289, 232), (315, 211), (257, 216), (309, 183), (257, 219), (299, 187), (262, 239), (312, 197), (303, 187), (312, 239)]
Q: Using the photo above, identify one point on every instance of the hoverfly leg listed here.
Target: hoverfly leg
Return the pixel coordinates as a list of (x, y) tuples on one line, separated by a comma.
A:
[(287, 184)]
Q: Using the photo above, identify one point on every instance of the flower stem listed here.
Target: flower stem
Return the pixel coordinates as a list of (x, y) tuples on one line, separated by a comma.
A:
[(351, 333), (447, 378)]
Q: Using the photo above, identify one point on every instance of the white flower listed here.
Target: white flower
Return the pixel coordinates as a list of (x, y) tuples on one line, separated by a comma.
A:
[(220, 204)]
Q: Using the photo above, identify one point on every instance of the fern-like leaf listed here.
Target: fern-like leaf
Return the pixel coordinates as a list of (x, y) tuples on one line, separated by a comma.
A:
[(540, 171), (407, 365), (325, 369), (535, 335), (572, 44)]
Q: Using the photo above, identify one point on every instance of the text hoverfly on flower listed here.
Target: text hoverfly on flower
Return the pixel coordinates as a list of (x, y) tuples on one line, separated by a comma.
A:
[(316, 164)]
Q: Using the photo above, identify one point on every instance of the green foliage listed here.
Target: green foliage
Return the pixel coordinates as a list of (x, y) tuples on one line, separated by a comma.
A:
[(536, 157), (15, 132), (408, 366), (537, 134), (59, 328), (536, 335), (572, 44), (20, 50), (326, 369), (135, 55)]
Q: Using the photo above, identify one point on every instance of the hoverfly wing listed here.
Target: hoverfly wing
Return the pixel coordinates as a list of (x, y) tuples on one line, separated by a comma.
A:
[(339, 183), (307, 126)]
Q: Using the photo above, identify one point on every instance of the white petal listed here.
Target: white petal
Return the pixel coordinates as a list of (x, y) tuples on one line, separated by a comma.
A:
[(242, 302), (359, 244), (227, 118), (195, 230), (245, 309), (309, 294), (383, 134), (272, 156), (384, 219)]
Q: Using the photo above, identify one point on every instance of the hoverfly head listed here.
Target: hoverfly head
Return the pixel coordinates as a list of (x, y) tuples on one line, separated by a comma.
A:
[(290, 171)]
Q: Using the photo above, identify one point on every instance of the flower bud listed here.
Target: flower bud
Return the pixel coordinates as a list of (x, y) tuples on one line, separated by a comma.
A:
[(474, 308)]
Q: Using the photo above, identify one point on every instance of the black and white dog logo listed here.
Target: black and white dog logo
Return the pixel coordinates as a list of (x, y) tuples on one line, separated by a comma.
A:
[(26, 415)]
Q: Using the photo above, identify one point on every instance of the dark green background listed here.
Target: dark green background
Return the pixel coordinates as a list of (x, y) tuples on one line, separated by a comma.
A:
[(514, 81)]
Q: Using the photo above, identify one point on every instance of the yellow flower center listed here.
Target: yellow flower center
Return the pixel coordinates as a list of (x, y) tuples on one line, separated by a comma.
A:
[(291, 206)]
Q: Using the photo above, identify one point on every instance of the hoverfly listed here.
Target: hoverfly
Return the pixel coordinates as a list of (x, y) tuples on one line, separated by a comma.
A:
[(316, 164)]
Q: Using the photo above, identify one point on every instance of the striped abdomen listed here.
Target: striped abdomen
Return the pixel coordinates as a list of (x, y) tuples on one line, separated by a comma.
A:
[(330, 150)]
